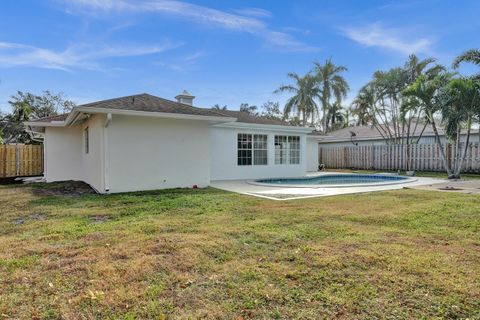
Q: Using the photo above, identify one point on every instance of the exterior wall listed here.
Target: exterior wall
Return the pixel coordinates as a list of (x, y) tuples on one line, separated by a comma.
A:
[(312, 154), (224, 156), (63, 149), (92, 163), (155, 153)]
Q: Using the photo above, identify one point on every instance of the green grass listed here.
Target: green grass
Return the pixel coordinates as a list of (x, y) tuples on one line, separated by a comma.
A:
[(206, 253)]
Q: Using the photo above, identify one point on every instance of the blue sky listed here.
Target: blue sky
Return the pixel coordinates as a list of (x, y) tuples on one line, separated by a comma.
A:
[(224, 52)]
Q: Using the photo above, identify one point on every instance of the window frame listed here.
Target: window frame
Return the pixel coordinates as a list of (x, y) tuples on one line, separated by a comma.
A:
[(249, 146), (283, 155)]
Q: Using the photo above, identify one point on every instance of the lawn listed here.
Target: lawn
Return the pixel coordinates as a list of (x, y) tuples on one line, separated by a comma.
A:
[(205, 253)]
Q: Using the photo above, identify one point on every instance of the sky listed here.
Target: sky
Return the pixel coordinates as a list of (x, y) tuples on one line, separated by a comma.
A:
[(223, 52)]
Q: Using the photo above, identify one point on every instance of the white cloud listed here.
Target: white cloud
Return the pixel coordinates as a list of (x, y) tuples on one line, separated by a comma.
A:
[(184, 63), (254, 12), (199, 14), (375, 35), (78, 56)]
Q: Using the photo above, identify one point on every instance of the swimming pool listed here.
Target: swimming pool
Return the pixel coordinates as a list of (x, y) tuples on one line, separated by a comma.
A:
[(336, 180)]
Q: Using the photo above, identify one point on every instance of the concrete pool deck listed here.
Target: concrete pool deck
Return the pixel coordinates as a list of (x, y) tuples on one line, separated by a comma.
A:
[(290, 193)]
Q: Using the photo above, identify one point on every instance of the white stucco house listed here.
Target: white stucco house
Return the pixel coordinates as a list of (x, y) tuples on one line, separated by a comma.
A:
[(143, 142)]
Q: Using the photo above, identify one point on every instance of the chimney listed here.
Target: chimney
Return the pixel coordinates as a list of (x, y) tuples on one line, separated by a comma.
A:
[(185, 97)]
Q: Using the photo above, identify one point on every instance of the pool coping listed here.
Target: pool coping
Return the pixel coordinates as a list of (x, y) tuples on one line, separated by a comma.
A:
[(350, 185)]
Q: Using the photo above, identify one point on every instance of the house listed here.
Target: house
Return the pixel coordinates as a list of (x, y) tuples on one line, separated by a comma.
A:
[(144, 142), (368, 135)]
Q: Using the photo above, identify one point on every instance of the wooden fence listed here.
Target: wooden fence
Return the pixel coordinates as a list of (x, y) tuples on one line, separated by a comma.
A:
[(21, 160), (424, 157)]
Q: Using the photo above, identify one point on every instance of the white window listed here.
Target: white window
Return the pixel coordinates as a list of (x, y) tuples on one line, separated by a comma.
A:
[(294, 148), (287, 150), (252, 149), (281, 149), (86, 140), (260, 149)]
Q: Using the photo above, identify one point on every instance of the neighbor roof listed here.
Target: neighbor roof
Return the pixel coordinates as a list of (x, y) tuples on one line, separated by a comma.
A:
[(60, 117), (370, 133)]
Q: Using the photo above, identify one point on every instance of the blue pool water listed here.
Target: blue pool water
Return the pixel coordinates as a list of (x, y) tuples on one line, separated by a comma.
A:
[(335, 179)]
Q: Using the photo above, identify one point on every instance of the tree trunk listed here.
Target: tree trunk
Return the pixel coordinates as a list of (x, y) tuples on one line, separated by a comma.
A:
[(465, 148), (442, 152)]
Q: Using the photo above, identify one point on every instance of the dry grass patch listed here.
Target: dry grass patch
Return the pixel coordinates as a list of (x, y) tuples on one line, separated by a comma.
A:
[(212, 254)]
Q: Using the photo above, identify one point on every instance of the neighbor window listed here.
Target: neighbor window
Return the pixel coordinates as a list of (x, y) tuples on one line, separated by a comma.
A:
[(86, 141), (252, 149), (287, 150)]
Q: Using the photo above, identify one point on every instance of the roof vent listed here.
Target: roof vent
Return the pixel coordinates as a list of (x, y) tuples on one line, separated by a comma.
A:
[(185, 97)]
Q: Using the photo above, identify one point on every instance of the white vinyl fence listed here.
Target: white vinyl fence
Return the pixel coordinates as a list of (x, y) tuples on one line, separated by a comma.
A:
[(424, 157)]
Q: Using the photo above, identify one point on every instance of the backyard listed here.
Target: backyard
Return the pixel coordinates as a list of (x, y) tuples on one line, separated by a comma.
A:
[(205, 253)]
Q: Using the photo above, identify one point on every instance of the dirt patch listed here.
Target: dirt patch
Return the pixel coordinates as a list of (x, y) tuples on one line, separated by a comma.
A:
[(99, 218), (32, 217), (66, 188)]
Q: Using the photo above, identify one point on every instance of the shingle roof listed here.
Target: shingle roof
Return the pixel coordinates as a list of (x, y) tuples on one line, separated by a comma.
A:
[(369, 133), (149, 103), (248, 118)]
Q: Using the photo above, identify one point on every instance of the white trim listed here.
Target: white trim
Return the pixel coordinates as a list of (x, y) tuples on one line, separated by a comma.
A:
[(44, 124), (106, 153)]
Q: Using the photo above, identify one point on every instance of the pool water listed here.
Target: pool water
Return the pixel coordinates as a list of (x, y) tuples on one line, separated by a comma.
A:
[(336, 179)]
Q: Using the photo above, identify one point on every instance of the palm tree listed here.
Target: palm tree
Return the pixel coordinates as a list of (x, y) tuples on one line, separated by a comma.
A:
[(362, 104), (331, 83), (302, 103), (415, 67), (472, 55), (460, 106), (428, 92), (336, 115)]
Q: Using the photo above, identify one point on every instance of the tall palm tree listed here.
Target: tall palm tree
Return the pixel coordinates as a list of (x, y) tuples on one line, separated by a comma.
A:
[(428, 92), (459, 109), (414, 67), (302, 103), (331, 83), (472, 55)]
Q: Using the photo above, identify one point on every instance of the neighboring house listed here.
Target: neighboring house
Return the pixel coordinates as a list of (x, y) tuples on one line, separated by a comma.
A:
[(143, 142), (368, 135)]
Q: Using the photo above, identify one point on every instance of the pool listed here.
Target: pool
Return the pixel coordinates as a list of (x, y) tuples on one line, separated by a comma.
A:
[(336, 180)]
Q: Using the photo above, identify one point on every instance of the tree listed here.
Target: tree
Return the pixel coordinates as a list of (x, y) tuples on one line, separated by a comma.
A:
[(331, 83), (461, 104), (217, 107), (271, 110), (472, 55), (336, 116), (361, 106), (27, 106), (302, 104), (252, 110), (431, 96)]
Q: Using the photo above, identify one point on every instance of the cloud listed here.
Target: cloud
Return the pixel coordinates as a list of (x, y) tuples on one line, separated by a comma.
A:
[(184, 63), (246, 22), (374, 35), (73, 57), (254, 12)]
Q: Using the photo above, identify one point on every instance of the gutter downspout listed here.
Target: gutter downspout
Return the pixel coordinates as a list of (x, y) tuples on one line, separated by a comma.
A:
[(106, 158)]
